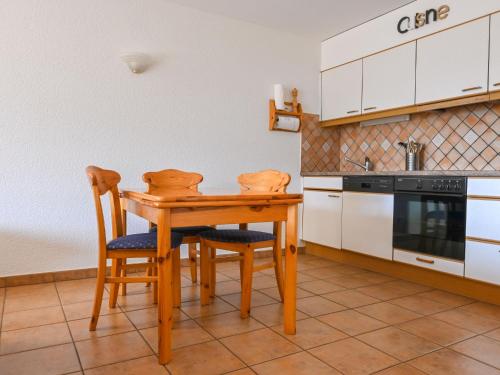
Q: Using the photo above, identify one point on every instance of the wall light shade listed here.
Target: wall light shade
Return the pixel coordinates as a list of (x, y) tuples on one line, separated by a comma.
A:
[(137, 62)]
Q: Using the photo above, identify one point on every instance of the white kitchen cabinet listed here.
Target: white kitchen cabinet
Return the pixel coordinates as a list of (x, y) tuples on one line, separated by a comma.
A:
[(454, 267), (389, 79), (453, 63), (322, 218), (326, 183), (483, 218), (483, 187), (367, 223), (495, 52), (482, 261), (341, 91)]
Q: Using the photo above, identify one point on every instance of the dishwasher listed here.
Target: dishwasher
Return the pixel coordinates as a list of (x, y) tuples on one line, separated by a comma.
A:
[(367, 215)]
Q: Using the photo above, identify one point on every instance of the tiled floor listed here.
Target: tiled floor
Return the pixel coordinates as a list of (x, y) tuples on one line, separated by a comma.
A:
[(350, 321)]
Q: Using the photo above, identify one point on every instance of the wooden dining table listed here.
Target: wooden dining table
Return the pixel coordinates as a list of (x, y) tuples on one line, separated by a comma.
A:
[(213, 207)]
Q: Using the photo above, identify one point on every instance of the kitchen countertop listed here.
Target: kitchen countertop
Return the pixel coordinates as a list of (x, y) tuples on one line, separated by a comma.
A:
[(404, 173)]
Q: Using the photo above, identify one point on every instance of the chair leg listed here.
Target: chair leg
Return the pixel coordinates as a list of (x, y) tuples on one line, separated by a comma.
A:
[(99, 292), (242, 266), (213, 255), (123, 286), (149, 271), (204, 274), (246, 290), (176, 277), (192, 262), (154, 272), (113, 293), (278, 260)]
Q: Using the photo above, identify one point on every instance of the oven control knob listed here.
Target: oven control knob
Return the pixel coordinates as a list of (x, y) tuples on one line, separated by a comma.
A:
[(434, 187), (447, 187)]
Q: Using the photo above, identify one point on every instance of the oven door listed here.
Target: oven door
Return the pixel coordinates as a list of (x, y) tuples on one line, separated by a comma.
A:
[(433, 224)]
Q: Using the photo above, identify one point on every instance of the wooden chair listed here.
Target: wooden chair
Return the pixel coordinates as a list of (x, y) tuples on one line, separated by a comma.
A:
[(173, 181), (142, 245), (244, 242)]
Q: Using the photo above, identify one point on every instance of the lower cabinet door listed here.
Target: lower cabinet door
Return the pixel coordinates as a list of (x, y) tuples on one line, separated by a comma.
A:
[(482, 261), (426, 261), (367, 223), (322, 218)]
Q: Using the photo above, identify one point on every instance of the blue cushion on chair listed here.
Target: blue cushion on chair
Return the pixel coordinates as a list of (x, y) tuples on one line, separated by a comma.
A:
[(186, 231), (237, 235), (142, 241)]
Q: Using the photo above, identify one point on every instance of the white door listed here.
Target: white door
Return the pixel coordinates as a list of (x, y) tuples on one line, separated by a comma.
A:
[(341, 91), (367, 223), (482, 261), (322, 220), (389, 79), (495, 52), (453, 63)]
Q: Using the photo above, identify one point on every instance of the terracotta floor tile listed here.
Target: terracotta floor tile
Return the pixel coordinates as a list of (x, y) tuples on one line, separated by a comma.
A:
[(349, 281), (34, 338), (351, 356), (319, 262), (312, 333), (494, 334), (402, 369), (383, 291), (302, 277), (190, 293), (446, 362), (274, 293), (135, 301), (228, 324), (210, 358), (322, 273), (296, 364), (420, 305), (111, 349), (485, 309), (82, 310), (388, 313), (194, 310), (320, 287), (452, 300), (264, 282), (408, 286), (482, 348), (259, 346), (74, 291), (375, 277), (106, 325), (146, 365), (245, 371), (258, 299), (345, 269), (184, 333), (398, 344), (30, 297), (32, 318), (352, 322), (351, 298), (60, 359), (470, 321), (272, 315), (436, 331), (316, 305)]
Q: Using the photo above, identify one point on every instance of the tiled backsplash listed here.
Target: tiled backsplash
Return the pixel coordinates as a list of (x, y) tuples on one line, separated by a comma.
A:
[(461, 138)]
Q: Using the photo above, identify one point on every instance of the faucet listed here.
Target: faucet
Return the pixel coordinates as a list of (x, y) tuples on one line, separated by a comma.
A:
[(367, 166)]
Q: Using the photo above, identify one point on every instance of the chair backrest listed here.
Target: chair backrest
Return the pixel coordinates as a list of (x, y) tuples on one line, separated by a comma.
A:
[(172, 181), (102, 182), (269, 180)]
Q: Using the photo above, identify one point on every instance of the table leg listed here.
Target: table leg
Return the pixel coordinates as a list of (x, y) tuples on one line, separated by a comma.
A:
[(291, 270), (165, 295)]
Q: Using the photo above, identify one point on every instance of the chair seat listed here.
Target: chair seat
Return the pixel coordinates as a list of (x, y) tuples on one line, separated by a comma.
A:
[(186, 231), (237, 235), (142, 241)]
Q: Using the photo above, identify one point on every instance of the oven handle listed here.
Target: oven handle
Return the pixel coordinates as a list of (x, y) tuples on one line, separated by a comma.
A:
[(458, 195), (423, 260)]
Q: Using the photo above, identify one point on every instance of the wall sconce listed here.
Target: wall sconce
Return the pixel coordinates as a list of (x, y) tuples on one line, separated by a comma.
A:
[(137, 62)]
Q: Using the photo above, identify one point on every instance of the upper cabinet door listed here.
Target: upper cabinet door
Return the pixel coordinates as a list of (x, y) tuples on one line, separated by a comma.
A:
[(495, 52), (341, 91), (454, 62), (389, 79)]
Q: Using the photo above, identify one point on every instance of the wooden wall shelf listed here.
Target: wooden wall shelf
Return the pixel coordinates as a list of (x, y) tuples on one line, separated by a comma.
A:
[(274, 113), (465, 100)]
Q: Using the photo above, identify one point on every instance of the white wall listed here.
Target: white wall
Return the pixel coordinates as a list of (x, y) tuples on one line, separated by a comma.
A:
[(67, 101)]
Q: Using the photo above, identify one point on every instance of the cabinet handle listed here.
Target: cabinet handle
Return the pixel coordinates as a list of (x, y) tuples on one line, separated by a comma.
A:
[(424, 260), (472, 88), (370, 108), (496, 84), (353, 111), (333, 196)]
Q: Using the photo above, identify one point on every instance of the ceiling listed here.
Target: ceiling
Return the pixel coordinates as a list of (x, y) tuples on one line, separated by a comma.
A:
[(315, 19)]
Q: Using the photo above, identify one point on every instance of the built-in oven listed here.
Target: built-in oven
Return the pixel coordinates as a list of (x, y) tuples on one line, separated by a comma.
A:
[(429, 215)]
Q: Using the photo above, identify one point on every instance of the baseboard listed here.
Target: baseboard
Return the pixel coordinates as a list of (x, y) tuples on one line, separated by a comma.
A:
[(85, 273), (454, 284)]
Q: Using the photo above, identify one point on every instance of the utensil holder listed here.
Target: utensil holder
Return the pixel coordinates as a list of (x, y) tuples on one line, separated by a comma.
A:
[(412, 161)]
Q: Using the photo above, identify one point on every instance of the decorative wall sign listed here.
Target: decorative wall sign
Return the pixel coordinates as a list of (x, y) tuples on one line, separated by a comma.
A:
[(406, 23)]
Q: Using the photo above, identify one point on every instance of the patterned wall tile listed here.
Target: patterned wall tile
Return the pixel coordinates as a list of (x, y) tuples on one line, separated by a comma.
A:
[(461, 138)]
